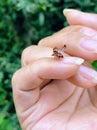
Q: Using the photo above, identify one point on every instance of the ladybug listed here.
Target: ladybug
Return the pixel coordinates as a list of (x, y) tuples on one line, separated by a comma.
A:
[(58, 53)]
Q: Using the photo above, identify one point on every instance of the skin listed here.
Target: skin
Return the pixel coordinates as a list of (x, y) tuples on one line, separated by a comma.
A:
[(58, 94)]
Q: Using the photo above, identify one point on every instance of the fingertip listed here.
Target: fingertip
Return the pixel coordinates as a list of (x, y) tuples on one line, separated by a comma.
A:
[(86, 77), (77, 17), (66, 11), (70, 14)]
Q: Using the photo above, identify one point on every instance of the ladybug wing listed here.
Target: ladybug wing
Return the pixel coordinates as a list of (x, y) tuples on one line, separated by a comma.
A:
[(55, 50), (63, 48)]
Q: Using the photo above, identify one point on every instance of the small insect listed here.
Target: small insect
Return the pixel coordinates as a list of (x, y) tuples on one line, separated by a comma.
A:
[(58, 53)]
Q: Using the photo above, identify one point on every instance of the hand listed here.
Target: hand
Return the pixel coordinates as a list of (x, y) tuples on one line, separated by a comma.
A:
[(52, 94)]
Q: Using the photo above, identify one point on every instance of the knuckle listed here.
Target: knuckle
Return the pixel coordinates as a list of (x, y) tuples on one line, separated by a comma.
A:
[(43, 41), (25, 54), (15, 78)]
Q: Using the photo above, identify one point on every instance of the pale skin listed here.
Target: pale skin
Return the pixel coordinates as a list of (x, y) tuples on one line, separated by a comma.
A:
[(59, 94)]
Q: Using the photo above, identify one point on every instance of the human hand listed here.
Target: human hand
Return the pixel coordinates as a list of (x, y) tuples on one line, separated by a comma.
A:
[(52, 94)]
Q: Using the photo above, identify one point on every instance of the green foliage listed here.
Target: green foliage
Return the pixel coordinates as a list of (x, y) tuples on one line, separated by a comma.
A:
[(22, 23), (94, 64)]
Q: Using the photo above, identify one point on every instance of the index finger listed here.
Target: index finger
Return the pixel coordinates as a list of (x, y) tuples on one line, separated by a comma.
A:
[(80, 42)]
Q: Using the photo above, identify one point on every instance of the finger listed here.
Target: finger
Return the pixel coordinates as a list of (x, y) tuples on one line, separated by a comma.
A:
[(75, 17), (78, 79), (78, 40), (34, 53), (86, 77), (27, 81)]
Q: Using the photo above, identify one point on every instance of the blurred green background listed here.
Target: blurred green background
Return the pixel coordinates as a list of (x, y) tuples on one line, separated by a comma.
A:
[(22, 23)]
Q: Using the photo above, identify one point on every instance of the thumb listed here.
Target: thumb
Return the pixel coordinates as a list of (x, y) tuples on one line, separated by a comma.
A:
[(75, 17)]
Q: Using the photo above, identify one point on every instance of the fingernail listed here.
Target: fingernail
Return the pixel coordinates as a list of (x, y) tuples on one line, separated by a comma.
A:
[(89, 32), (73, 60), (75, 12), (88, 44), (88, 74)]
